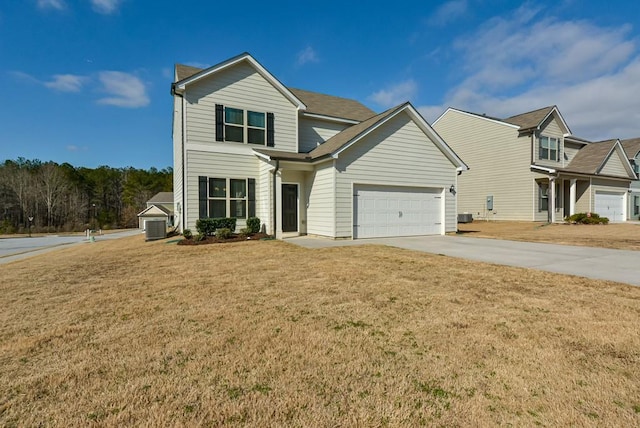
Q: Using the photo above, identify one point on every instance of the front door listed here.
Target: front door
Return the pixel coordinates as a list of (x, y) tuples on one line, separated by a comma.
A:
[(289, 207)]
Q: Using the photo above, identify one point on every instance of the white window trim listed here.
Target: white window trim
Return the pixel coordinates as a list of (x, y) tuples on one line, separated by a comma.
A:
[(228, 198), (549, 139), (245, 126)]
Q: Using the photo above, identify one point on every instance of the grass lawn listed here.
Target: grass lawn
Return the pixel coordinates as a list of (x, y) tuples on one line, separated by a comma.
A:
[(622, 236), (125, 332)]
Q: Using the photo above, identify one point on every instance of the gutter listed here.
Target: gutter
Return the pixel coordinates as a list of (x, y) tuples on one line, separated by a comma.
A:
[(183, 123)]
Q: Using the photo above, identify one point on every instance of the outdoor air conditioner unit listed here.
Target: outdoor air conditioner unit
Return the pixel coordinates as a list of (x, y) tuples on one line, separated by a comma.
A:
[(465, 218), (155, 229)]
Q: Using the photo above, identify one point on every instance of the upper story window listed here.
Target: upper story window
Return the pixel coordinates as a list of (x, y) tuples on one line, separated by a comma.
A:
[(244, 126), (548, 148)]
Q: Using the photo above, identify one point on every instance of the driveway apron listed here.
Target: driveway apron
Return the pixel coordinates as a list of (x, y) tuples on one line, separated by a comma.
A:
[(596, 263)]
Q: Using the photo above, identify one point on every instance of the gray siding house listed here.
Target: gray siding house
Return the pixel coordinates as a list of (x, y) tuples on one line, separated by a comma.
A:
[(530, 167), (305, 163), (632, 149)]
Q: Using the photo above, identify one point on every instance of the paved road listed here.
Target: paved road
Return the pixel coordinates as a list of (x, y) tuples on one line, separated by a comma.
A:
[(598, 263), (19, 248)]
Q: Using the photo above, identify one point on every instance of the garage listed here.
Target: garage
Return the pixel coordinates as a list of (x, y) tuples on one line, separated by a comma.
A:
[(386, 211), (610, 205)]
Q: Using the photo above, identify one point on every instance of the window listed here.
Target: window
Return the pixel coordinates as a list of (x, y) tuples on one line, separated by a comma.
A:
[(226, 197), (543, 196), (244, 126), (548, 148), (636, 205)]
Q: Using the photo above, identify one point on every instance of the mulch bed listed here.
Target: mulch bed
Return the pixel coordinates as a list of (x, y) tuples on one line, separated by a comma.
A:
[(234, 238)]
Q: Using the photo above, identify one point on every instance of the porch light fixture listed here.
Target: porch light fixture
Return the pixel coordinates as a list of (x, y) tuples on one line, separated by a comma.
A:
[(452, 189)]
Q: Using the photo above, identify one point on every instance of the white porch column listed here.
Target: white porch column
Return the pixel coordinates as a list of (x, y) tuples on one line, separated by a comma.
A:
[(552, 199), (572, 196)]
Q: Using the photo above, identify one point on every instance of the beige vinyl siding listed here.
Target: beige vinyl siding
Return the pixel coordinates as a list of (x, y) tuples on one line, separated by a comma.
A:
[(499, 165), (550, 128), (569, 152), (315, 131), (177, 161), (219, 165), (614, 166), (240, 87), (583, 196), (321, 200), (396, 154)]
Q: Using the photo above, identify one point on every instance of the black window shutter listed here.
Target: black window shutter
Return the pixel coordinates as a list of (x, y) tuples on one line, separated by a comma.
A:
[(219, 122), (251, 197), (270, 134), (202, 197)]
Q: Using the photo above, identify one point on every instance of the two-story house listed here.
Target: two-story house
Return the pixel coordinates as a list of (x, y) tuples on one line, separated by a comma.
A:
[(159, 207), (530, 167), (305, 163), (632, 148)]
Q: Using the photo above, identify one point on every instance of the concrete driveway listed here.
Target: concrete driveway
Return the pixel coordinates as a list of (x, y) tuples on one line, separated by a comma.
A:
[(19, 248), (597, 263)]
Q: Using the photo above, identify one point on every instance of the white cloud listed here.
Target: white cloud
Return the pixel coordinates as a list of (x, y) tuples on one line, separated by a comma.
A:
[(448, 12), (52, 4), (105, 7), (525, 61), (307, 55), (396, 94), (66, 83), (125, 90), (74, 148)]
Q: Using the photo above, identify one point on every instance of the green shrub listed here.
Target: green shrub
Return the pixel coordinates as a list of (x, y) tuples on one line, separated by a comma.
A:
[(187, 234), (253, 224), (586, 218), (200, 237), (208, 226), (223, 233)]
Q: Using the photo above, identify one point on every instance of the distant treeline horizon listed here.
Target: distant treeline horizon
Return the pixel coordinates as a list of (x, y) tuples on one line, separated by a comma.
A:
[(48, 196)]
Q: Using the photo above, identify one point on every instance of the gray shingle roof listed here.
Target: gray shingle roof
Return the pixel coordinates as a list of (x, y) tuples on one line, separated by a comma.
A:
[(530, 119), (631, 147), (589, 159), (161, 197), (321, 104), (329, 105)]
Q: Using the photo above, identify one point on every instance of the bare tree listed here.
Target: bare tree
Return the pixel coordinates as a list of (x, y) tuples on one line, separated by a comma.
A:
[(53, 186)]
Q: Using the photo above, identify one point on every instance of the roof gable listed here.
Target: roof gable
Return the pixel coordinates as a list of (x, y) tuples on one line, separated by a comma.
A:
[(153, 211), (631, 147), (534, 119), (599, 158), (181, 84), (161, 197), (476, 116)]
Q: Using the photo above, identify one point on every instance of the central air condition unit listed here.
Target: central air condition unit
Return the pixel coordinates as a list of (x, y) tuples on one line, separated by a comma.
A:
[(155, 229)]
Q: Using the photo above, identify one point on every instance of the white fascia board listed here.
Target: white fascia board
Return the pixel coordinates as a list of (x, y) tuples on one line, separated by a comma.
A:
[(477, 116), (330, 118), (255, 64), (544, 169)]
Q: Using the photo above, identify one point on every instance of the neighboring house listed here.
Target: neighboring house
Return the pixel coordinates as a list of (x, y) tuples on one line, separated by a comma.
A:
[(632, 148), (529, 167), (159, 207), (304, 163)]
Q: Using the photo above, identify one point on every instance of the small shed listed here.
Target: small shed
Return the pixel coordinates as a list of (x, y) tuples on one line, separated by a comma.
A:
[(153, 213)]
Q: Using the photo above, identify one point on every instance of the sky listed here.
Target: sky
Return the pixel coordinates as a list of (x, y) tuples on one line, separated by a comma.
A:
[(88, 81)]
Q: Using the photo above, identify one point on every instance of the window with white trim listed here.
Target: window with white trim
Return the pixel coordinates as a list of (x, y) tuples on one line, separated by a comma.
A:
[(543, 196), (548, 148), (226, 197)]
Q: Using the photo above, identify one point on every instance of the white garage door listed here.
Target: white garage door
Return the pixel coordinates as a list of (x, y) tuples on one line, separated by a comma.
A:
[(384, 211), (610, 205)]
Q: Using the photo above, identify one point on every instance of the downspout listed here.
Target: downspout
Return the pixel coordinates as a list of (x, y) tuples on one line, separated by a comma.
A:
[(275, 199), (182, 156)]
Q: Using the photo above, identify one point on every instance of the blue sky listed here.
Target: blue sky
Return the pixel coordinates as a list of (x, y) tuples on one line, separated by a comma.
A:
[(87, 81)]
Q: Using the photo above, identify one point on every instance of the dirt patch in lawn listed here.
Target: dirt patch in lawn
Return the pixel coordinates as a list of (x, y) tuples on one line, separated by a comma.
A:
[(623, 236), (266, 333)]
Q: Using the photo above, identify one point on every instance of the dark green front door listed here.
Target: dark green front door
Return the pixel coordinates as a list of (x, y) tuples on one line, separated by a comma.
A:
[(289, 207)]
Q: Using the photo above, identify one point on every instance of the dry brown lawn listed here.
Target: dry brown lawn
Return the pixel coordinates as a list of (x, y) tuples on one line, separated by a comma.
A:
[(622, 236), (269, 334)]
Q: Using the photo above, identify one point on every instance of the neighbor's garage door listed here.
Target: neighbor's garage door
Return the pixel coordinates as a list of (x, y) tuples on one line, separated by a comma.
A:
[(610, 205), (384, 211)]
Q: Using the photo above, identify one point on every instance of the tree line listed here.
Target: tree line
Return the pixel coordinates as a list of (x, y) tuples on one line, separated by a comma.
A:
[(52, 197)]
